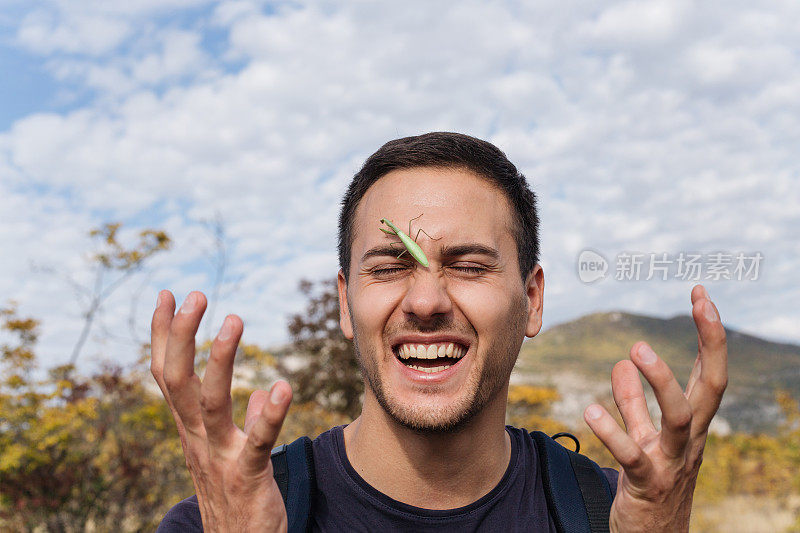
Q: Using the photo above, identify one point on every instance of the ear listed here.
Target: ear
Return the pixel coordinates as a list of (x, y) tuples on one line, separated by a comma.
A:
[(534, 287), (345, 322)]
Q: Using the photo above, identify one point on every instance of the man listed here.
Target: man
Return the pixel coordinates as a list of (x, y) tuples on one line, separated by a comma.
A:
[(436, 345)]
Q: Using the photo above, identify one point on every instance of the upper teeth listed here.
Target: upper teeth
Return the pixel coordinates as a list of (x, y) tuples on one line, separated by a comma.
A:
[(431, 351)]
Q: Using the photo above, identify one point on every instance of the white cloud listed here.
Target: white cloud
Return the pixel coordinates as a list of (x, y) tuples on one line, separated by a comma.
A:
[(92, 34), (90, 27), (637, 22), (714, 64)]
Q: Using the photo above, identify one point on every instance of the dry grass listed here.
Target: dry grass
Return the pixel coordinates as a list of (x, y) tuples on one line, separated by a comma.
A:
[(747, 514)]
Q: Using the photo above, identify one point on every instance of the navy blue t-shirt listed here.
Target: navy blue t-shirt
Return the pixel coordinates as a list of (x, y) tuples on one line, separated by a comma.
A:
[(345, 502)]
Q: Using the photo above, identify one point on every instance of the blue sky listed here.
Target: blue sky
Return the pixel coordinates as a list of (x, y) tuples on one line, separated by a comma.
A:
[(653, 126)]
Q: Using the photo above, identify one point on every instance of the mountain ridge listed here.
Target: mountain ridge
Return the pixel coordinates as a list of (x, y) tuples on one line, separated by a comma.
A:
[(590, 345)]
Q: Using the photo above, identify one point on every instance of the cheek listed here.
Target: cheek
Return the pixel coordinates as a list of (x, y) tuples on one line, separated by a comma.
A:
[(493, 313), (372, 307), (483, 306)]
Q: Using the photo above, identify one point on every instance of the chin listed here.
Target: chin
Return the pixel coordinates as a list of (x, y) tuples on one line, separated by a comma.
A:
[(431, 415), (433, 421)]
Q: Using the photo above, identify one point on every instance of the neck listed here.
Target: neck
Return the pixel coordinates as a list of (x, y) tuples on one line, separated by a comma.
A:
[(430, 470)]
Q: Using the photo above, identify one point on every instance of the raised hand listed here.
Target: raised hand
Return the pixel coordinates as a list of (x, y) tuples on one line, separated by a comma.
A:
[(659, 468), (230, 468)]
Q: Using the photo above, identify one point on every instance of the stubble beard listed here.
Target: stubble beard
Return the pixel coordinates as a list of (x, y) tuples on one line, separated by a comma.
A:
[(481, 387)]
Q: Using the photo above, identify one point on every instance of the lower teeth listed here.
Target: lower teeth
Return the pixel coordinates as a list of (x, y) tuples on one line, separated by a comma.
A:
[(429, 370)]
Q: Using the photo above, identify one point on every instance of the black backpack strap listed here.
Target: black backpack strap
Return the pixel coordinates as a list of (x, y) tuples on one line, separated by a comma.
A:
[(577, 492), (595, 490), (293, 469)]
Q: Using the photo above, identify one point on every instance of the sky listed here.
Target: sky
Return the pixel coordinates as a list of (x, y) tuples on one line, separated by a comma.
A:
[(649, 127)]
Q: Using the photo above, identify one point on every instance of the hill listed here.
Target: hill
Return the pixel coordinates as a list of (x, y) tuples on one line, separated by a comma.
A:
[(583, 352)]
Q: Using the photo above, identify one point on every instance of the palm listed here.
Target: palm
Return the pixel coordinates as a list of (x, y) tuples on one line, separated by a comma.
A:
[(660, 467), (230, 467)]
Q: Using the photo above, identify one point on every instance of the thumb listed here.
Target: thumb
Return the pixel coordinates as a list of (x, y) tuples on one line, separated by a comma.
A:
[(263, 432), (256, 403)]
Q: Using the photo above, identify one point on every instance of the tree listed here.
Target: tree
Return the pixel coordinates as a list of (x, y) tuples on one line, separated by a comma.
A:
[(529, 407), (114, 257), (113, 264), (76, 451), (328, 373)]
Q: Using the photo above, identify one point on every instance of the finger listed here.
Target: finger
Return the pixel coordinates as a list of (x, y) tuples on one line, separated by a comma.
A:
[(698, 292), (264, 432), (676, 413), (712, 379), (254, 406), (626, 451), (179, 376), (630, 400), (159, 331), (694, 375), (216, 406)]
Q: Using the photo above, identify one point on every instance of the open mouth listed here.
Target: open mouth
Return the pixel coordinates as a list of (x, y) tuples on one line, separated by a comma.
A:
[(430, 358)]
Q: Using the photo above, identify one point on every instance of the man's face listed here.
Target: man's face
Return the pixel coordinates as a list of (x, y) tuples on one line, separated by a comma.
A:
[(437, 344)]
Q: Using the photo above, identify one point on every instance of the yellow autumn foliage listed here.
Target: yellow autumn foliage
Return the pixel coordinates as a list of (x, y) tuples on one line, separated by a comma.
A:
[(532, 395), (102, 451)]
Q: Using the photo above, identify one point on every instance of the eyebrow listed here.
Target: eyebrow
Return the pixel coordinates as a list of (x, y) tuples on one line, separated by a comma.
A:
[(472, 248), (456, 250), (382, 251)]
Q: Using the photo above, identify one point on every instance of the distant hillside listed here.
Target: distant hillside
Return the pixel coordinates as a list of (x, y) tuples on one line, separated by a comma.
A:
[(590, 346)]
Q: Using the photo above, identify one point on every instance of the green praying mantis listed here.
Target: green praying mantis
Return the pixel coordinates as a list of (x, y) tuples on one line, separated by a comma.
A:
[(411, 244)]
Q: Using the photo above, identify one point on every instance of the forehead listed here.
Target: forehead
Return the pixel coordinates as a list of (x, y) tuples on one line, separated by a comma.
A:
[(454, 203)]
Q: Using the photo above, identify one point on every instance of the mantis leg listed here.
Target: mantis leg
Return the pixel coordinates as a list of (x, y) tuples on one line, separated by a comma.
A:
[(401, 253), (409, 225), (420, 230)]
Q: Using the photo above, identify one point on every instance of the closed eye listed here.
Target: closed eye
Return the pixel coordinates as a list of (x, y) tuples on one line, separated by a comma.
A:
[(470, 269), (386, 271)]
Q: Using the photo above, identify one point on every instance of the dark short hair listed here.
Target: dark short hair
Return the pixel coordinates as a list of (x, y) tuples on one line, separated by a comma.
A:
[(447, 150)]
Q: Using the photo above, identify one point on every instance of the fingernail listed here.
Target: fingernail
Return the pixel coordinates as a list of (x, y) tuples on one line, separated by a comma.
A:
[(706, 293), (226, 331), (277, 396), (593, 412), (711, 314), (647, 355), (160, 299), (189, 303)]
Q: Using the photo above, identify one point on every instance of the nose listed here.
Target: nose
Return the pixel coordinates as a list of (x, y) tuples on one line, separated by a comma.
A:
[(427, 297)]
